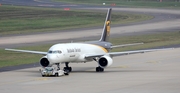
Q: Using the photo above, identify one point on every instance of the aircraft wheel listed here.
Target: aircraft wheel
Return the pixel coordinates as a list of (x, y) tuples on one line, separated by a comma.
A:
[(66, 70), (70, 69), (99, 69), (66, 73), (102, 69), (56, 74)]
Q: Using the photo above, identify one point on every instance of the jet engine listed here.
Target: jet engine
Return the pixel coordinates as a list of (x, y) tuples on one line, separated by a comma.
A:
[(105, 61), (44, 62)]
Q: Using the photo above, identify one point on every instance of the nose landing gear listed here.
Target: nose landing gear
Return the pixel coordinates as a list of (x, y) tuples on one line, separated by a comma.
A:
[(67, 69)]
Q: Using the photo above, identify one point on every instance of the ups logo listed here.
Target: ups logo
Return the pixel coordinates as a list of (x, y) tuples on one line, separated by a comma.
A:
[(108, 27)]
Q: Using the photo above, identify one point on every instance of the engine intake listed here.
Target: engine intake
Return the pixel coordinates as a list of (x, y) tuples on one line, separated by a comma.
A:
[(44, 62), (105, 61)]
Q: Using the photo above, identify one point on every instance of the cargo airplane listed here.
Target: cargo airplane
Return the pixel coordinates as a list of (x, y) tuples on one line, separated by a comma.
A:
[(98, 51)]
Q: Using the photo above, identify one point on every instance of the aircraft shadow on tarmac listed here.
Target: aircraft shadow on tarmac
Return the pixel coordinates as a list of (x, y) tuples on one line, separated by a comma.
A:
[(84, 70), (91, 70), (111, 71)]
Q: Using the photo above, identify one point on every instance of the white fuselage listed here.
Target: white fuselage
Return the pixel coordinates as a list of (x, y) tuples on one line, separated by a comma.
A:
[(73, 52)]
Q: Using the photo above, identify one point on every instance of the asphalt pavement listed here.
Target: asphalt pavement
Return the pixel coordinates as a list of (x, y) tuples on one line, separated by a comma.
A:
[(155, 72)]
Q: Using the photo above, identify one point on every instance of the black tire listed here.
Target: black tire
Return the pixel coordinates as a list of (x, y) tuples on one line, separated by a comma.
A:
[(65, 68), (102, 69), (70, 69), (56, 74), (99, 69), (66, 73)]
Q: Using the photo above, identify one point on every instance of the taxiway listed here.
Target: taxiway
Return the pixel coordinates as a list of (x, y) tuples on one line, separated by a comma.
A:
[(155, 72)]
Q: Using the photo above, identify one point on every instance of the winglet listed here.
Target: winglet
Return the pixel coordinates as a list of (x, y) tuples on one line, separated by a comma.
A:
[(106, 29)]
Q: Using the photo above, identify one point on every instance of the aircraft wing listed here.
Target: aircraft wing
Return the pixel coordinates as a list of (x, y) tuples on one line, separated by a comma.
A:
[(113, 54), (27, 51), (135, 52), (124, 45)]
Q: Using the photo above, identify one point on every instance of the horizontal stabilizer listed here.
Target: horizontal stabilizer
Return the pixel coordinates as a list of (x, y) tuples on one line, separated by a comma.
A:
[(124, 45)]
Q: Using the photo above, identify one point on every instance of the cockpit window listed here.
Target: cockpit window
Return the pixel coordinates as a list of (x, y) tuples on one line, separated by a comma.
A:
[(50, 52), (54, 52)]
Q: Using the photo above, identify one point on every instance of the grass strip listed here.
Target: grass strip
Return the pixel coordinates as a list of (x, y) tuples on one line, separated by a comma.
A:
[(21, 19), (8, 58), (128, 3), (150, 41)]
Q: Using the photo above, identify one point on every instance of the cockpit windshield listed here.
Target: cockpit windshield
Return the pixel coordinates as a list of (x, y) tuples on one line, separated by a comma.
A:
[(54, 52)]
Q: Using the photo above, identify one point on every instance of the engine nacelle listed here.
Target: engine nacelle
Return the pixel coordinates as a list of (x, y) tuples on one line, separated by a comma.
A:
[(44, 62), (105, 61)]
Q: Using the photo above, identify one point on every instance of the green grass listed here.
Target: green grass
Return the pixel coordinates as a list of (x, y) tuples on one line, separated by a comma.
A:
[(12, 59), (151, 41), (20, 19), (128, 3), (16, 19), (8, 58)]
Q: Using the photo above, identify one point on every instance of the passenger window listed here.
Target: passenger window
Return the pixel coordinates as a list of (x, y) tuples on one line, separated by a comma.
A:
[(59, 51)]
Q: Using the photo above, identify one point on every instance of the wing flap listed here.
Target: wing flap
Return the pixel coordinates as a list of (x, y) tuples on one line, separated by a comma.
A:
[(27, 51), (135, 52)]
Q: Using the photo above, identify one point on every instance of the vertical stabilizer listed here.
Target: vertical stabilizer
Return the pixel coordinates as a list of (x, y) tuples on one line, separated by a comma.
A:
[(106, 29)]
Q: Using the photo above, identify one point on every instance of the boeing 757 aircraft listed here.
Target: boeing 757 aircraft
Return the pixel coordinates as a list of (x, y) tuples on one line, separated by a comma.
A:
[(98, 51)]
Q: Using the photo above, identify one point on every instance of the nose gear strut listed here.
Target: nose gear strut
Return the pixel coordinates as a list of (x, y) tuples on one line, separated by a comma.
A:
[(67, 68)]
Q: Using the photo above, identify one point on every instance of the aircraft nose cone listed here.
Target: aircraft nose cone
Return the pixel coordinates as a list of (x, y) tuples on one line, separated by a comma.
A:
[(52, 58)]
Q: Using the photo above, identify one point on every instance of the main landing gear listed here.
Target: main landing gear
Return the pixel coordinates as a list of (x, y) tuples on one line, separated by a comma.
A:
[(99, 69)]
